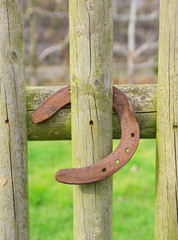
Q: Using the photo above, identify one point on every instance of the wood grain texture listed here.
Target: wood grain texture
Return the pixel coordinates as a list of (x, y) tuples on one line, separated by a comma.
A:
[(91, 100), (166, 224), (58, 127), (13, 164)]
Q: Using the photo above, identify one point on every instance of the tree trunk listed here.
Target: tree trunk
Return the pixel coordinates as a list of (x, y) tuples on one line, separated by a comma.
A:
[(91, 90), (131, 40), (33, 45), (13, 164), (166, 227)]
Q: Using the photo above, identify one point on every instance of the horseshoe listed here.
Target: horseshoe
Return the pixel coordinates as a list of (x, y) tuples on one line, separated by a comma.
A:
[(114, 161)]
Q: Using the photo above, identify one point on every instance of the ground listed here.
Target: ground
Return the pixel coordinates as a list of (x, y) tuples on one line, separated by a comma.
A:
[(51, 202)]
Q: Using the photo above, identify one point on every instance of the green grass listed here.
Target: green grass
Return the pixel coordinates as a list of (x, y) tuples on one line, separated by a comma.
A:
[(51, 202)]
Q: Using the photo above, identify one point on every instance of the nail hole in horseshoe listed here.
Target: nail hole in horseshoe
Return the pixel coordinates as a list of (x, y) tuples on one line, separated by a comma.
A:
[(127, 150), (132, 134), (117, 161), (91, 122), (86, 175)]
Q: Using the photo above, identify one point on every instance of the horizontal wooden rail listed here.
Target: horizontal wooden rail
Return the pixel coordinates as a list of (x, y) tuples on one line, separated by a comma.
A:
[(58, 127)]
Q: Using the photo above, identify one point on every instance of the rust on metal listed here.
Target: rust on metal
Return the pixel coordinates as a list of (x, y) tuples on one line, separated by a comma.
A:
[(49, 107), (114, 161)]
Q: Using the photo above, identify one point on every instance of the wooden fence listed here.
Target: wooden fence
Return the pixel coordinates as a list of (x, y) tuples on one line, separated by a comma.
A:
[(91, 74)]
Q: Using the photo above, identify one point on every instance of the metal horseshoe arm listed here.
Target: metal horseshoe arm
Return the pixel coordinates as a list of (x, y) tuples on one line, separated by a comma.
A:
[(49, 107), (113, 162)]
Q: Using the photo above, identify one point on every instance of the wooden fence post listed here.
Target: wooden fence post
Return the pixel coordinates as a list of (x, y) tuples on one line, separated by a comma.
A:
[(91, 77), (166, 224), (13, 165)]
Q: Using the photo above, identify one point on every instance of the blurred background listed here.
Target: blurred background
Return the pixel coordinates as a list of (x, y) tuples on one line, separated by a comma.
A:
[(135, 48), (46, 27)]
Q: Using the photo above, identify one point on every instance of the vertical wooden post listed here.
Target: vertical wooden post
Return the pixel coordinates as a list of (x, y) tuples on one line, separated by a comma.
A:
[(91, 89), (166, 227), (13, 166)]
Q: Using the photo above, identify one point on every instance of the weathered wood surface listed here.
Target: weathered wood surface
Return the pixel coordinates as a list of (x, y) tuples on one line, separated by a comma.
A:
[(58, 127), (166, 224), (13, 164), (91, 99)]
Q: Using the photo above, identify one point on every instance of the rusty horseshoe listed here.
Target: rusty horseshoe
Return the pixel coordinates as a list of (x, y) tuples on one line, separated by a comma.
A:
[(114, 161)]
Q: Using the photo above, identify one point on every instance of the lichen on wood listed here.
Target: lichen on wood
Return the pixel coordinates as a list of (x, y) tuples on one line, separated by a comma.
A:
[(91, 99), (166, 219), (13, 162), (58, 127)]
